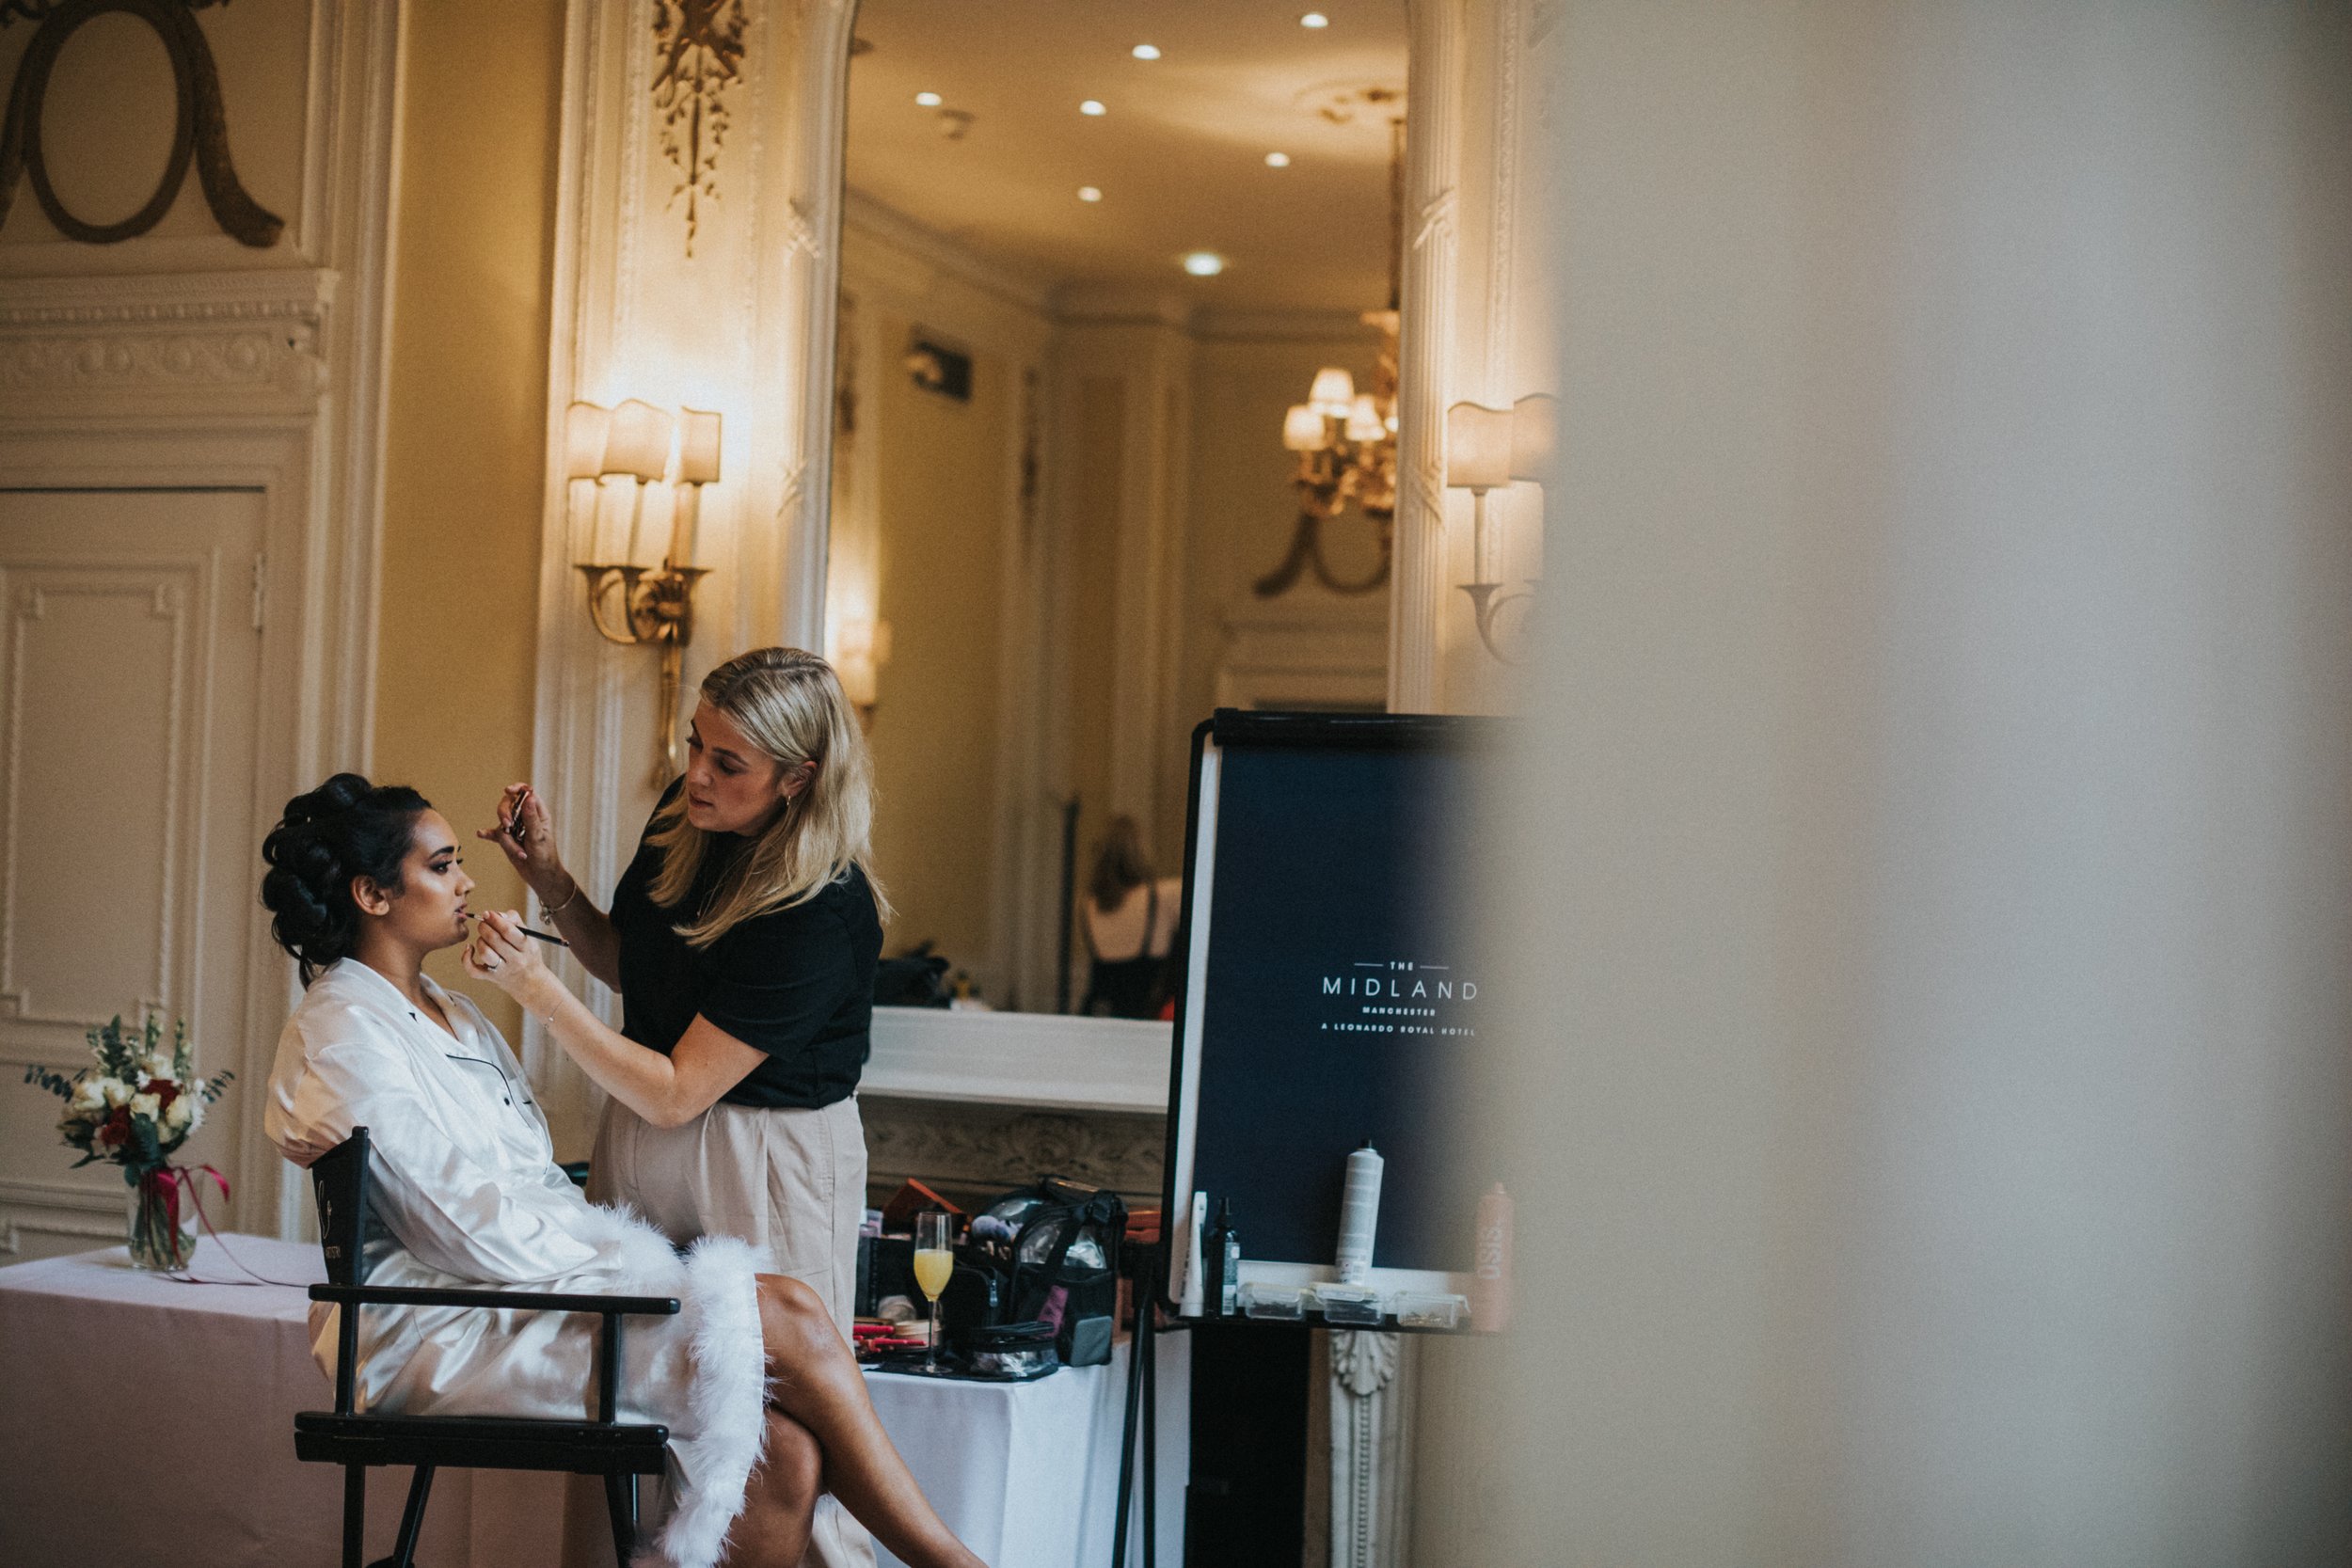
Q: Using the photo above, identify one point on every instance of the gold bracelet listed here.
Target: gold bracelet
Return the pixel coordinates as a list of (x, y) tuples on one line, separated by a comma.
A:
[(551, 912)]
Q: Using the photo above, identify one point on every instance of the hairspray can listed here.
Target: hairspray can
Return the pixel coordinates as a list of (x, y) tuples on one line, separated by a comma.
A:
[(1490, 1267), (1188, 1301), (1360, 1214)]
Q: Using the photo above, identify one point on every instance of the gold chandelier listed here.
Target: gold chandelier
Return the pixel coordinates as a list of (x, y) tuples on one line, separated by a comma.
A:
[(1345, 438)]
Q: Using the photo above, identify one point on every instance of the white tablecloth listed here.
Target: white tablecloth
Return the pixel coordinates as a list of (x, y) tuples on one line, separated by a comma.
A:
[(1027, 1473), (143, 1421)]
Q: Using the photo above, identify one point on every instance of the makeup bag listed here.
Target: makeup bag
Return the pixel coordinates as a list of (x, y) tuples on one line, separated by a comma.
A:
[(1044, 1253)]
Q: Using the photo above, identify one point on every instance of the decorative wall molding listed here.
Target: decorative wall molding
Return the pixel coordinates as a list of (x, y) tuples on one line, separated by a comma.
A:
[(82, 1216), (1416, 602), (1371, 1394), (201, 118), (165, 336), (984, 1149), (700, 45)]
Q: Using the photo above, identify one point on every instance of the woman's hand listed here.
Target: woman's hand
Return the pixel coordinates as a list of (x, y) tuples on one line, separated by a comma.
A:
[(525, 835), (501, 954)]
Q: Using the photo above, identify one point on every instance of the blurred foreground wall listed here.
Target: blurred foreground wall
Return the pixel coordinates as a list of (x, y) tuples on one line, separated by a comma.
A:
[(1927, 877)]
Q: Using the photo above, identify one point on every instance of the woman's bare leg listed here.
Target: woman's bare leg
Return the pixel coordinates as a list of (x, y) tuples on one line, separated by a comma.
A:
[(779, 1500), (816, 1382)]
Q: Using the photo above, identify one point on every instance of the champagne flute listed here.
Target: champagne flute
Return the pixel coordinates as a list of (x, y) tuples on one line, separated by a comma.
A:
[(935, 1263)]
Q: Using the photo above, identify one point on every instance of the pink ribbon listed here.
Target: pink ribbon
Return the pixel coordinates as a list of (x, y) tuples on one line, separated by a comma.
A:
[(176, 1177)]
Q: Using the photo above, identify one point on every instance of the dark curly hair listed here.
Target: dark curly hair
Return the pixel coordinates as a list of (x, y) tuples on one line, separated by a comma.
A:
[(346, 828)]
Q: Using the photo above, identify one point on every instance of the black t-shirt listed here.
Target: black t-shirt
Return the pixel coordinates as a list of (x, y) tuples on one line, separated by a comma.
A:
[(797, 984)]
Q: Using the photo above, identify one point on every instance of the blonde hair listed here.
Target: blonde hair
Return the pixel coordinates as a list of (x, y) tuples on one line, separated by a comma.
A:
[(789, 705)]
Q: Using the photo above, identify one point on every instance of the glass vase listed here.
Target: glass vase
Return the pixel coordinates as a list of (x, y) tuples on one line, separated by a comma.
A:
[(159, 1239)]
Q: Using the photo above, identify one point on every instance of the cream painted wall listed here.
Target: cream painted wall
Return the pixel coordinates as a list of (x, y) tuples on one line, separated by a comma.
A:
[(941, 527), (467, 411)]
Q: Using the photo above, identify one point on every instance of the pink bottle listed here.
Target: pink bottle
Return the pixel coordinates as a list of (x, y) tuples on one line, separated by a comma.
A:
[(1490, 1271)]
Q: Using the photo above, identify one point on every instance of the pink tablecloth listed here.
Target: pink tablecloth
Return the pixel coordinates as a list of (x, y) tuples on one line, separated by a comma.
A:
[(143, 1421)]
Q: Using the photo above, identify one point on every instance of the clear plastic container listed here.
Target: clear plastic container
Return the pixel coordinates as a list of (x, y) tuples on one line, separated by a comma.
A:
[(1285, 1301), (1010, 1351), (1426, 1309), (1356, 1305)]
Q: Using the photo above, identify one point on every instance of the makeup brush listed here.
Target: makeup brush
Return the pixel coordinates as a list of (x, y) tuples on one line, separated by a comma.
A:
[(551, 939)]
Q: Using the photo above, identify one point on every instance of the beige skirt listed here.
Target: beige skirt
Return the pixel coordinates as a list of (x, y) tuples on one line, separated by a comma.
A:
[(791, 1183)]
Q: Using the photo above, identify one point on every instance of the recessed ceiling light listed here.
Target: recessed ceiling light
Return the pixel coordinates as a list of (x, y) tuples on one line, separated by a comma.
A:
[(1090, 193), (1145, 51), (1277, 160), (1093, 107), (1314, 19), (928, 99), (1205, 263)]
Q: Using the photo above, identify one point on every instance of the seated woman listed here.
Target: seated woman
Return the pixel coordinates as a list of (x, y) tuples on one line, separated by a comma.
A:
[(363, 882)]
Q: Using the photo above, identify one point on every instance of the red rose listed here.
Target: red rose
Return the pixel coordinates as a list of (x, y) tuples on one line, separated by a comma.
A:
[(164, 1091), (116, 1128)]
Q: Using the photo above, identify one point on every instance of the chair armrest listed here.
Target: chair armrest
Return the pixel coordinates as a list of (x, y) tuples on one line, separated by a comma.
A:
[(522, 1301)]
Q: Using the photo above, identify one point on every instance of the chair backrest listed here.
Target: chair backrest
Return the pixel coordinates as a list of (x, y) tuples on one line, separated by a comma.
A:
[(338, 1186)]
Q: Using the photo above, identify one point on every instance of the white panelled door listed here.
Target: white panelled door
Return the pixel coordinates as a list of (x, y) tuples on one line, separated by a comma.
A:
[(129, 675)]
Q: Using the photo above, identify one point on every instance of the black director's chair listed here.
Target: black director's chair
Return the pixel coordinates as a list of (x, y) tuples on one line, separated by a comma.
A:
[(338, 1180)]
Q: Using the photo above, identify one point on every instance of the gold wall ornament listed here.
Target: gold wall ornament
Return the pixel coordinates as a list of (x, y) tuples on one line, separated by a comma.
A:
[(199, 132), (700, 47)]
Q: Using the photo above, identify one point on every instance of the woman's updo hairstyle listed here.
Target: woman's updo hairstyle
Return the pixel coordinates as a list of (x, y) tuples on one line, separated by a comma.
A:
[(346, 828)]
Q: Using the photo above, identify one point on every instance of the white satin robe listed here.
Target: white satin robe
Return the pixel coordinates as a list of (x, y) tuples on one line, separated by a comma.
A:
[(463, 1175)]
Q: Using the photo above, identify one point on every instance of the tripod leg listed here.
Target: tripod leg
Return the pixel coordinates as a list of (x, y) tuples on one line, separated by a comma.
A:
[(1127, 1432), (1147, 1349)]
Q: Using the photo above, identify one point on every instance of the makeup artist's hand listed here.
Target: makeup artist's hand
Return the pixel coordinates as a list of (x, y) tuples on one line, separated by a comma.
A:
[(501, 954), (525, 835)]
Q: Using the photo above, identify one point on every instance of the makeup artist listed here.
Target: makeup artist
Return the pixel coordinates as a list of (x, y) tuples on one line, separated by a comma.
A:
[(742, 940)]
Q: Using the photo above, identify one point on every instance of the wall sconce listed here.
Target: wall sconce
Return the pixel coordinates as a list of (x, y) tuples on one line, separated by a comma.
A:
[(859, 648), (628, 603), (1488, 449)]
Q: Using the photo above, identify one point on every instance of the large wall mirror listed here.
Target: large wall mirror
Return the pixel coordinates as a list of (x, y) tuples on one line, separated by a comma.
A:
[(1114, 435)]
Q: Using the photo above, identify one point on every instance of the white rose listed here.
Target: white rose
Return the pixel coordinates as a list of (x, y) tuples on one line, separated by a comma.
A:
[(114, 1089), (183, 1112), (89, 1095), (148, 1106), (159, 1064)]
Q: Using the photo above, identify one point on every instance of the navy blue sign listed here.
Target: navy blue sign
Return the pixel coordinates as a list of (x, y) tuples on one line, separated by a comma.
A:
[(1343, 1000)]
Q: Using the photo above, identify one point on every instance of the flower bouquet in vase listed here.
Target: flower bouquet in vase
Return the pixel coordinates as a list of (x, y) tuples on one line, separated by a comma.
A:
[(135, 1108)]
